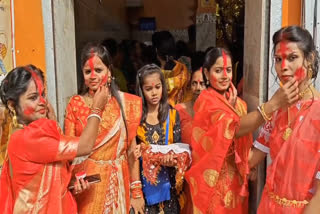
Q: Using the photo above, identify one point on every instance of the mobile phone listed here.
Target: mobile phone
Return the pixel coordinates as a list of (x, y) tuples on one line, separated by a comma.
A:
[(90, 178)]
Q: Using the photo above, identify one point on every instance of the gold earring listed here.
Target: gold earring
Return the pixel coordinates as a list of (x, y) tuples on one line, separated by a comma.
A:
[(15, 120), (309, 72), (109, 80)]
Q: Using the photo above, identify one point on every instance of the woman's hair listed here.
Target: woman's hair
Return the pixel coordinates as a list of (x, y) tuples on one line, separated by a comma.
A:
[(304, 41), (99, 50), (211, 58), (165, 46), (163, 105), (16, 83)]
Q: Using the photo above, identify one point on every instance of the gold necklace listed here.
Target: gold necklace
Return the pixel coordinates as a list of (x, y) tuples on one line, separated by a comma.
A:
[(88, 100), (287, 133)]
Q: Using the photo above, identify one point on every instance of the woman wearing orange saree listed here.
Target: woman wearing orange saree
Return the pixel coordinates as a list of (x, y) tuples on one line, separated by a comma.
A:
[(36, 171), (292, 137), (175, 73), (111, 155), (221, 138)]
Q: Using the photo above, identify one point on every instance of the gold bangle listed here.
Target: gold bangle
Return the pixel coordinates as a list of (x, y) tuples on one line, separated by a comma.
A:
[(263, 113)]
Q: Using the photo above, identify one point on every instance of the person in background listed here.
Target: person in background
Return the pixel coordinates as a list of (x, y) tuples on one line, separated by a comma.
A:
[(117, 58), (186, 114), (175, 73)]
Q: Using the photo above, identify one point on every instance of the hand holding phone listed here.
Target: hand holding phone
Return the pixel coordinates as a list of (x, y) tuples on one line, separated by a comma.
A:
[(91, 179)]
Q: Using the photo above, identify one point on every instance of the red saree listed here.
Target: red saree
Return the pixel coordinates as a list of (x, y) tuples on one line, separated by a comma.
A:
[(40, 175), (109, 155), (185, 123), (218, 175), (295, 162)]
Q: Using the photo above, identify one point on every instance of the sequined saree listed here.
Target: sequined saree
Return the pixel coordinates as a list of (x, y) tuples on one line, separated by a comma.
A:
[(218, 174), (295, 166), (40, 173), (109, 157)]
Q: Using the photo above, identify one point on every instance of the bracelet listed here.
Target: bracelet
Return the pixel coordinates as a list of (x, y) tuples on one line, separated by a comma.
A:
[(263, 113), (135, 185), (135, 182), (96, 111), (94, 115), (136, 193)]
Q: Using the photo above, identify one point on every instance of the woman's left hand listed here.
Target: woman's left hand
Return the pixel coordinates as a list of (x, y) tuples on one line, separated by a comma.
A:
[(80, 186), (232, 98), (137, 204)]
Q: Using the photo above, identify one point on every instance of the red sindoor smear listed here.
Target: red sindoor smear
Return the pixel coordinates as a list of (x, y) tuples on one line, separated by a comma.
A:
[(299, 74), (91, 64), (104, 80), (39, 85), (282, 51), (224, 63), (28, 111)]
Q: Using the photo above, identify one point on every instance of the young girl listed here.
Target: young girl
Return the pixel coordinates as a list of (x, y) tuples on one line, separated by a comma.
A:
[(159, 133)]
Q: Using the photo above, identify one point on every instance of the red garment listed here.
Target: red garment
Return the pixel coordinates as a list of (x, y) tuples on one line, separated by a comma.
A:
[(185, 123), (186, 127), (296, 162), (218, 175), (39, 158)]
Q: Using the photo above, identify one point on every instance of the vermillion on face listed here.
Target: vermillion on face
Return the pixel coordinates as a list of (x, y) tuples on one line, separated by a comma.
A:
[(152, 89), (289, 62), (31, 105), (220, 74), (95, 73)]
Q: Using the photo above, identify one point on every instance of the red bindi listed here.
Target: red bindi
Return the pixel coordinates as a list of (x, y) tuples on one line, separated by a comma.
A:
[(91, 64), (224, 63), (39, 85)]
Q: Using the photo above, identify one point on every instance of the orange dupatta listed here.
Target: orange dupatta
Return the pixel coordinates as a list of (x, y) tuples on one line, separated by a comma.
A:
[(214, 126)]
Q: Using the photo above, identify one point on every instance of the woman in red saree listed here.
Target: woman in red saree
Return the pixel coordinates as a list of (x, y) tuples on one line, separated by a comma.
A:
[(292, 137), (116, 139), (36, 171), (221, 138)]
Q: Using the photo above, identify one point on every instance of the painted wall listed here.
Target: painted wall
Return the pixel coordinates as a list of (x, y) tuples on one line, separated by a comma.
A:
[(291, 12), (29, 33)]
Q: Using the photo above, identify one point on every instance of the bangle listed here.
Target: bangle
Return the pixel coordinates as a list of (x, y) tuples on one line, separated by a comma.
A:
[(136, 193), (94, 115), (136, 185), (96, 111), (263, 113), (135, 182)]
